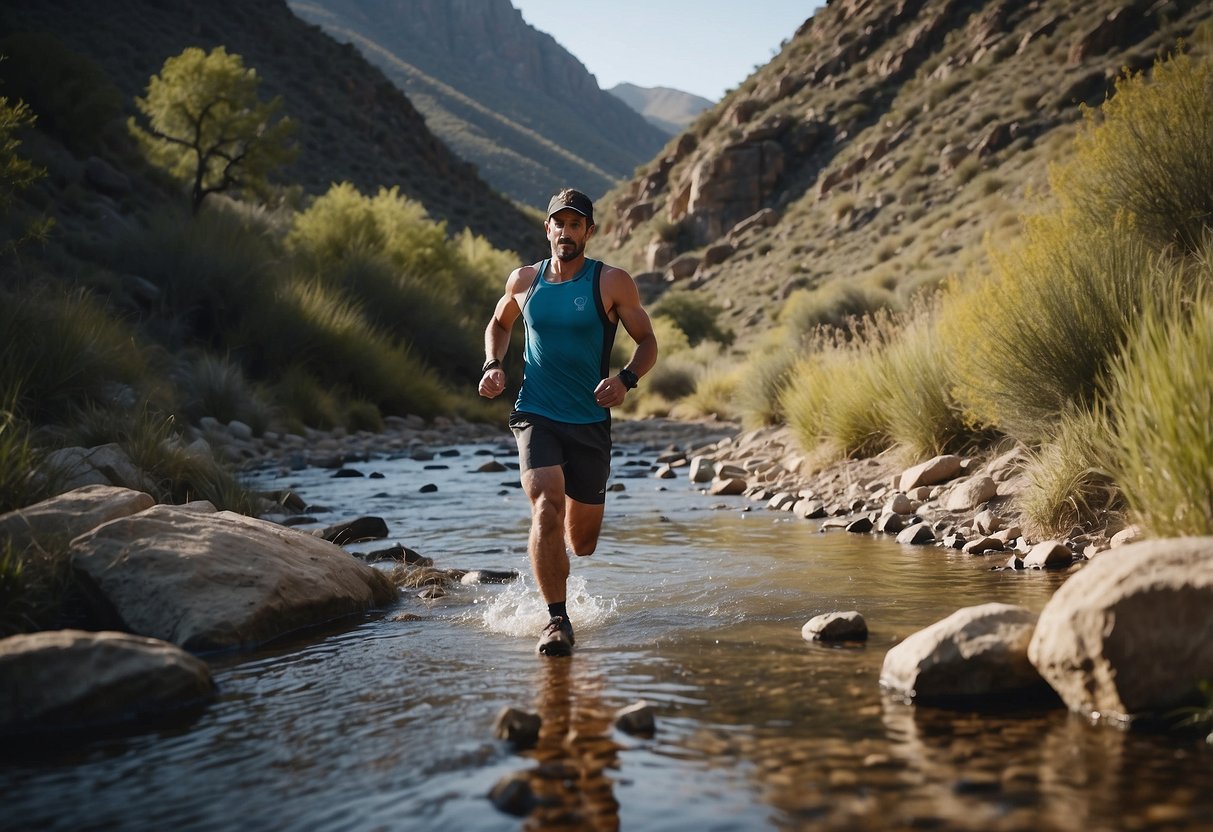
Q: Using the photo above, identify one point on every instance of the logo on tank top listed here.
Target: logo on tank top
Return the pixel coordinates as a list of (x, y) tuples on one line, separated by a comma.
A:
[(580, 303)]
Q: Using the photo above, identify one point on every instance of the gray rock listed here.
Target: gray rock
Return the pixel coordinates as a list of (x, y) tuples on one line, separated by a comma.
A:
[(987, 522), (983, 545), (353, 531), (890, 523), (67, 680), (513, 795), (836, 626), (1132, 631), (491, 467), (860, 525), (702, 470), (216, 581), (53, 523), (976, 651), (809, 509), (101, 465), (489, 576), (727, 487), (900, 504)]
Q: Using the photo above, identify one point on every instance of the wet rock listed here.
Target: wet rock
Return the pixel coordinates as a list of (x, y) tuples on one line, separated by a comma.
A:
[(353, 531), (1048, 554), (975, 652), (513, 795), (702, 470), (860, 525), (347, 473), (428, 488), (517, 727), (727, 487), (399, 553), (890, 523), (489, 576), (210, 581), (68, 680), (983, 545), (1132, 631), (637, 719), (665, 472), (916, 535), (809, 509), (491, 467), (836, 626), (900, 504)]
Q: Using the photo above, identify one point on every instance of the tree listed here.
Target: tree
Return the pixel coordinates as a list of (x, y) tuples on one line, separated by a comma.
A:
[(206, 126), (16, 172)]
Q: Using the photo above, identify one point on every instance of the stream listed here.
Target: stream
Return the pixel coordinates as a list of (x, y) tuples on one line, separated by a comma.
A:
[(693, 604)]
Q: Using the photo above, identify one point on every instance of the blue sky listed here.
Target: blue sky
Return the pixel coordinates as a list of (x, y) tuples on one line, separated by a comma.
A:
[(704, 47)]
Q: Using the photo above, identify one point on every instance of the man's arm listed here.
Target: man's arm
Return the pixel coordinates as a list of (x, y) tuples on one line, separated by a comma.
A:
[(623, 299), (497, 333)]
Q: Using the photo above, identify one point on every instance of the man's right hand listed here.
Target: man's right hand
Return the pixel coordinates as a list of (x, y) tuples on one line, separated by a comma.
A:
[(492, 382)]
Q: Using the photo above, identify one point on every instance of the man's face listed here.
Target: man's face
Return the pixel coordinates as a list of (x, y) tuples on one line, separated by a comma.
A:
[(568, 232)]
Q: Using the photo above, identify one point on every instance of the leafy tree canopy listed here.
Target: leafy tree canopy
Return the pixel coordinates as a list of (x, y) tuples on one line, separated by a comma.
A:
[(205, 124)]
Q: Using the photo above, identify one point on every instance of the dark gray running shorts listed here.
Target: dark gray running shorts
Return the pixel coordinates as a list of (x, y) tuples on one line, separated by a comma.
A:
[(584, 451)]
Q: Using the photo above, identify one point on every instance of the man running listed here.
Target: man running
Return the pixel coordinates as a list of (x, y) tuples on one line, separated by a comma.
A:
[(571, 306)]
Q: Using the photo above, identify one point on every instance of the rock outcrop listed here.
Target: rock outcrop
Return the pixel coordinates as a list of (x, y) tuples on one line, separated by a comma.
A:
[(56, 521)]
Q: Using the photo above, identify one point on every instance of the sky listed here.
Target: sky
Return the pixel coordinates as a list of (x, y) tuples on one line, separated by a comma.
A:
[(705, 47)]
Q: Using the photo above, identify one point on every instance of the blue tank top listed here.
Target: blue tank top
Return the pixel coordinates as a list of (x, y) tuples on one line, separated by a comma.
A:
[(568, 346)]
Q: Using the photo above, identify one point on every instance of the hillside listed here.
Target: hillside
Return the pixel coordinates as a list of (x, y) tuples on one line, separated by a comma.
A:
[(878, 148), (352, 123), (672, 111), (501, 94)]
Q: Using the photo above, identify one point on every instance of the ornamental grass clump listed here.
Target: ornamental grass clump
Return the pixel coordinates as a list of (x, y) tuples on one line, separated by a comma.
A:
[(1162, 396)]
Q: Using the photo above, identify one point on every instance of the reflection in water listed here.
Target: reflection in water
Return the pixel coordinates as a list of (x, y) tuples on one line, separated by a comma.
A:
[(575, 751)]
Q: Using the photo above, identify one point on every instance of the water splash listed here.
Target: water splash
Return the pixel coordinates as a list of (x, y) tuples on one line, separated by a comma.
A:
[(519, 610)]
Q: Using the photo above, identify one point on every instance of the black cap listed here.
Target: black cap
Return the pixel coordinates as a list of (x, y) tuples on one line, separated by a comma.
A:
[(576, 200)]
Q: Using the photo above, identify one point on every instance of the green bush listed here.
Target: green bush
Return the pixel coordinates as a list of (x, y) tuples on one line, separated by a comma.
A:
[(1148, 153), (1162, 395), (832, 305), (695, 313), (761, 382)]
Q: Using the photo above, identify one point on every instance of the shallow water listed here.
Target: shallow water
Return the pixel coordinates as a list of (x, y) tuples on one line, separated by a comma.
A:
[(692, 603)]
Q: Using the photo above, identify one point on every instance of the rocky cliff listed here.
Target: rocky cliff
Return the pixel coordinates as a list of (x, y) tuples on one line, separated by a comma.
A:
[(503, 95), (880, 145), (352, 123)]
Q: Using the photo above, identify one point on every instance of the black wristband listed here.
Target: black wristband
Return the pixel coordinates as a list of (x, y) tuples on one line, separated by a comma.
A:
[(629, 379), (491, 364)]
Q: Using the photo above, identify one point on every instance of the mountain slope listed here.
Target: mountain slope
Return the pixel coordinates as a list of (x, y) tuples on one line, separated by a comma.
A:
[(501, 94), (352, 123), (672, 111), (880, 146)]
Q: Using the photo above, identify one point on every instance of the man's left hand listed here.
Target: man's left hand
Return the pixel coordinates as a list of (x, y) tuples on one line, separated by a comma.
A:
[(610, 392)]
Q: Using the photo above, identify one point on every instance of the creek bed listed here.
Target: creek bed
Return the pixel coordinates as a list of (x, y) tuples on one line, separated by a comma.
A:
[(692, 603)]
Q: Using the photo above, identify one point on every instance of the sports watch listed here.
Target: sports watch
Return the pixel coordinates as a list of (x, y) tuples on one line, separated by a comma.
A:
[(491, 364), (629, 379)]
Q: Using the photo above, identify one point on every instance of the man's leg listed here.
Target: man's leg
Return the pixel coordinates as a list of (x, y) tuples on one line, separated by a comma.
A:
[(549, 560), (582, 524)]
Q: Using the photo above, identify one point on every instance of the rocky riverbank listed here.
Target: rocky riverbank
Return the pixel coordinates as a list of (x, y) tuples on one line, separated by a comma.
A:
[(190, 579)]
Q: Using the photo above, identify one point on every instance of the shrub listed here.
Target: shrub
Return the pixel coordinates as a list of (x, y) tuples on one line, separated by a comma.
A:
[(1037, 336), (714, 396), (19, 461), (760, 384), (832, 305), (694, 313), (1163, 409), (1148, 153)]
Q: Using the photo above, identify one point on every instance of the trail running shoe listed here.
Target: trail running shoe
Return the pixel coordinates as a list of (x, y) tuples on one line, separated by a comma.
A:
[(557, 638)]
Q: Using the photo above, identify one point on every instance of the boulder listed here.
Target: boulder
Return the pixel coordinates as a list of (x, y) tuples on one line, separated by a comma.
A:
[(968, 495), (215, 581), (916, 535), (932, 472), (1132, 631), (103, 465), (64, 680), (974, 652), (637, 719), (517, 727), (73, 513), (729, 487), (836, 626)]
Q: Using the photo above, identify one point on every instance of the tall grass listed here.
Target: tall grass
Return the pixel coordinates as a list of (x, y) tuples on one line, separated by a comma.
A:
[(19, 460), (1037, 336), (1069, 482), (1148, 153), (1162, 393)]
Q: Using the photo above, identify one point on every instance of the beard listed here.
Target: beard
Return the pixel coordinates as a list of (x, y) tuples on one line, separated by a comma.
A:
[(566, 250)]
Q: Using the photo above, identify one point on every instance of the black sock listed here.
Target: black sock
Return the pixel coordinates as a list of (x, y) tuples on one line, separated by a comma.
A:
[(558, 610)]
